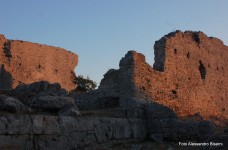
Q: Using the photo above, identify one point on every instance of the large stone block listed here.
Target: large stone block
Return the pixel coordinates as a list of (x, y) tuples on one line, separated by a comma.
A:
[(12, 105)]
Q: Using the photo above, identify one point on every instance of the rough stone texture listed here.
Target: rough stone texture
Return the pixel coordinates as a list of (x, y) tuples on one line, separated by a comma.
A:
[(162, 123), (52, 132), (96, 99), (47, 124), (158, 123), (42, 88), (69, 110), (132, 109), (50, 103), (12, 105), (189, 76), (41, 97), (25, 62)]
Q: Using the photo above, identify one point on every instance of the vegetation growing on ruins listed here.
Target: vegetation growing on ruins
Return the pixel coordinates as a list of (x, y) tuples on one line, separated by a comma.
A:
[(84, 84)]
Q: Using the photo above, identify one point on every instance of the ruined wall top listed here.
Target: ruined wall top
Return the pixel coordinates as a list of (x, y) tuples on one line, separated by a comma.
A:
[(130, 58), (189, 75), (195, 40), (26, 62)]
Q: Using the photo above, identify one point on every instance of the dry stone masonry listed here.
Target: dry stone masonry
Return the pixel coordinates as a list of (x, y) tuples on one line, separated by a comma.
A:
[(25, 62), (136, 107), (45, 116), (189, 76)]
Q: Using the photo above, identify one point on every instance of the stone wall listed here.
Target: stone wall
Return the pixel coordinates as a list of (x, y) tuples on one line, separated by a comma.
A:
[(56, 133), (96, 99), (189, 76), (135, 107), (43, 116), (25, 62)]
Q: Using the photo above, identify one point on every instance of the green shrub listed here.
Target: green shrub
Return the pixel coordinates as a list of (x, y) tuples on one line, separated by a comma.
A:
[(84, 84)]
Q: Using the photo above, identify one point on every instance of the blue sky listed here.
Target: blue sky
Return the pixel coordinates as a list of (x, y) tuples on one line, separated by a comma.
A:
[(102, 31)]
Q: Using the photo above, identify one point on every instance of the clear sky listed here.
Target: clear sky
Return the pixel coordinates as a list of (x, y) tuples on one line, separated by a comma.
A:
[(102, 31)]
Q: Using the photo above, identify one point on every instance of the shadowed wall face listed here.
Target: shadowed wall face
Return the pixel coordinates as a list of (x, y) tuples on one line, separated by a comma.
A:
[(26, 62), (5, 78)]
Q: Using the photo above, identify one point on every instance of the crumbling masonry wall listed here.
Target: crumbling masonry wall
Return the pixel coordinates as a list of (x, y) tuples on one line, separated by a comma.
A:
[(25, 62), (189, 76)]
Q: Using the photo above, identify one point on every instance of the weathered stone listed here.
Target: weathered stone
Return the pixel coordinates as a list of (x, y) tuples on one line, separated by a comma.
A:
[(13, 105), (51, 125), (12, 142), (3, 123), (50, 103), (189, 76), (96, 99), (158, 111), (25, 62), (139, 129), (83, 139), (18, 124), (52, 132), (154, 126), (8, 92), (135, 112), (132, 102), (156, 137), (37, 126), (135, 103), (69, 110), (162, 123), (103, 132), (42, 88), (206, 129)]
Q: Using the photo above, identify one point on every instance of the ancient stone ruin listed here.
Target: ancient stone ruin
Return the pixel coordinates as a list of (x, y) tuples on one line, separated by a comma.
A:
[(25, 62), (182, 98), (190, 76)]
